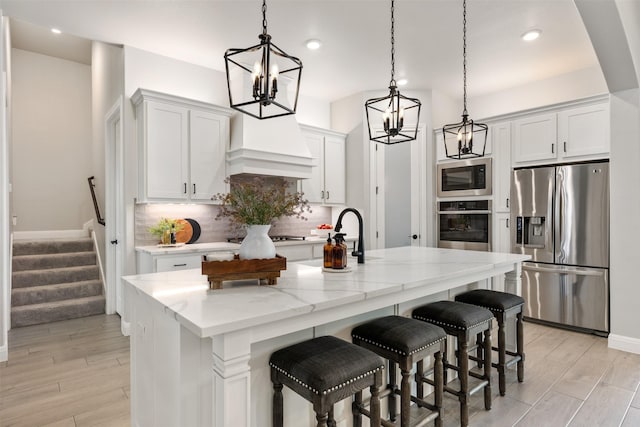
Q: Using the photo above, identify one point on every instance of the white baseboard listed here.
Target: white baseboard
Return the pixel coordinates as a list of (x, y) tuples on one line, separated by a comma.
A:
[(50, 234), (4, 353), (628, 344), (125, 328)]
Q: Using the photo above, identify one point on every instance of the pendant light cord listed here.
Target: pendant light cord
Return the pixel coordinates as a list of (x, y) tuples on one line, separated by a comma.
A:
[(464, 54), (393, 49), (264, 17)]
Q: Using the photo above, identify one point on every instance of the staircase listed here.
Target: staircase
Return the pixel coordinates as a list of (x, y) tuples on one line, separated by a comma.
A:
[(54, 280)]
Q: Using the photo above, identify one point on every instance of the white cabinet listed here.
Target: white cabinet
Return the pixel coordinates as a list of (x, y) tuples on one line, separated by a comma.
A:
[(569, 134), (180, 262), (501, 242), (181, 148), (327, 183), (501, 141)]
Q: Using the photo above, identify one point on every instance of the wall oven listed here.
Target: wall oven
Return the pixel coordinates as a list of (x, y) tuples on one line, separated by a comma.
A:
[(464, 224), (465, 178)]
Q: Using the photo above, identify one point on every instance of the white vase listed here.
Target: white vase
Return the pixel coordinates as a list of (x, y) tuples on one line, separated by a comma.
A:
[(257, 244)]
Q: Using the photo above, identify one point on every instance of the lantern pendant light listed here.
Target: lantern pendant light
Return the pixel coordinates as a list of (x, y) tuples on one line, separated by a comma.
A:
[(467, 138), (260, 77), (386, 116)]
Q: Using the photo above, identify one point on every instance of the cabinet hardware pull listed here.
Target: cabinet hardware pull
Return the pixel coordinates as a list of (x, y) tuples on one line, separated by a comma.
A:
[(180, 265), (552, 149), (507, 202), (327, 194), (322, 194), (194, 189), (565, 146), (185, 188), (507, 222)]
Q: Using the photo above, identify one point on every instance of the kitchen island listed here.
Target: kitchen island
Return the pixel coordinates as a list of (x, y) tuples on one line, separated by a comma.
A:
[(199, 357)]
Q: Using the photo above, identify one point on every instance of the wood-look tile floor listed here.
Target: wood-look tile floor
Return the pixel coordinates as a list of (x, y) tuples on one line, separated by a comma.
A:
[(76, 373)]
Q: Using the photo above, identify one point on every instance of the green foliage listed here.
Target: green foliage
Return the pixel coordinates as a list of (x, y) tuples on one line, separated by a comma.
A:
[(257, 201), (163, 225)]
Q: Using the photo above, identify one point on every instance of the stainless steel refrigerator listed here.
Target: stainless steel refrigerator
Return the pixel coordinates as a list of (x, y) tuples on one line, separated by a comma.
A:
[(560, 216)]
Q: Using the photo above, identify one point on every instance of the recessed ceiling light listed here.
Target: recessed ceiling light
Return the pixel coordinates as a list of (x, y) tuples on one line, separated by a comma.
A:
[(402, 82), (56, 31), (531, 35), (313, 44)]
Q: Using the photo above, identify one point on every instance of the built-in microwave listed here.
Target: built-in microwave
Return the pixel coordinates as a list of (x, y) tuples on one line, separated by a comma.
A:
[(470, 177)]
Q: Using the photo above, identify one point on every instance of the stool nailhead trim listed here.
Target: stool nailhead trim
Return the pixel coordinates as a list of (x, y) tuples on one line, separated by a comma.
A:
[(339, 386), (499, 310), (395, 350), (448, 324)]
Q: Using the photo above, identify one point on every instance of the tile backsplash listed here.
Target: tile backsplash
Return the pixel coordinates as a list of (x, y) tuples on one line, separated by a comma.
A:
[(212, 230)]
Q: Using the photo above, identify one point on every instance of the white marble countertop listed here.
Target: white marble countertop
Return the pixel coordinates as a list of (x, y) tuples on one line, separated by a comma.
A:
[(304, 288)]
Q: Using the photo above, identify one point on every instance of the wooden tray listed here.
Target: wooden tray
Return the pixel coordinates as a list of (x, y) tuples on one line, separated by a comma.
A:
[(266, 270)]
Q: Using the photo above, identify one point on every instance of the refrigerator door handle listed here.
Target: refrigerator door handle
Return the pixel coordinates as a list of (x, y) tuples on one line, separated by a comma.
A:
[(566, 270)]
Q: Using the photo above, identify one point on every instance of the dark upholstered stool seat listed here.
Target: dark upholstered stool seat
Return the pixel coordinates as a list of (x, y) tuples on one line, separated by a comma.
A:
[(405, 341), (462, 321), (325, 370), (492, 300), (503, 305)]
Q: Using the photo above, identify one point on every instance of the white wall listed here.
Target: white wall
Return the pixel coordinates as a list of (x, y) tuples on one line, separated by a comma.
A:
[(51, 119), (566, 87), (314, 112), (625, 211)]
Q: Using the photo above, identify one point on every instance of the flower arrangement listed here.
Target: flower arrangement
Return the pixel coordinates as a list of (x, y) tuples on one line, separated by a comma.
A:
[(258, 201), (165, 225)]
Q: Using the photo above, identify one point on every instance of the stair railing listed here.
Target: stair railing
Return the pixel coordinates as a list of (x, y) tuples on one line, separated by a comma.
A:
[(95, 201)]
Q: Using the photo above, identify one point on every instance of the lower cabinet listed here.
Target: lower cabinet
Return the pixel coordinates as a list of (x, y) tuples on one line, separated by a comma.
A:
[(174, 263), (501, 241)]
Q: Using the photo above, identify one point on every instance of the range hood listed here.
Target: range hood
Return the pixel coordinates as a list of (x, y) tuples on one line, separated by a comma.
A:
[(272, 147)]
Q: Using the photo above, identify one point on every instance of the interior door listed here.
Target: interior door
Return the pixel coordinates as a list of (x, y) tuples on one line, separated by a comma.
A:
[(398, 199)]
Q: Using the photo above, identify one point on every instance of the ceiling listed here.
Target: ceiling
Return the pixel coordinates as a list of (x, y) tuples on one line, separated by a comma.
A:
[(355, 55)]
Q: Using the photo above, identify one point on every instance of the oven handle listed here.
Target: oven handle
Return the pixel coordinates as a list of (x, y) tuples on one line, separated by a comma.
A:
[(464, 212)]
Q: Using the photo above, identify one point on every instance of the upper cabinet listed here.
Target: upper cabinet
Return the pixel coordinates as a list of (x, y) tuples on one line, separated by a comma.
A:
[(181, 148), (501, 141), (576, 133), (327, 184)]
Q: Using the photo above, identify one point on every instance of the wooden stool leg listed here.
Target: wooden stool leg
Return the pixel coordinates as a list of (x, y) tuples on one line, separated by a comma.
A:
[(502, 357), (322, 420), (520, 346), (332, 420), (419, 376), (374, 403), (444, 362), (277, 406), (405, 398), (463, 397), (439, 387), (479, 349), (392, 397), (487, 368), (355, 409)]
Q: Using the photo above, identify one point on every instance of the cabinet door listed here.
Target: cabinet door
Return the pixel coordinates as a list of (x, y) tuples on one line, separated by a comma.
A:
[(174, 263), (166, 151), (501, 243), (501, 139), (208, 144), (313, 188), (334, 170), (535, 138), (584, 131)]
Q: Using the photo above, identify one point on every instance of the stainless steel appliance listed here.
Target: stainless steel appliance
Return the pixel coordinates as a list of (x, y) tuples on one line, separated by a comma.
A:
[(464, 224), (465, 178), (561, 218)]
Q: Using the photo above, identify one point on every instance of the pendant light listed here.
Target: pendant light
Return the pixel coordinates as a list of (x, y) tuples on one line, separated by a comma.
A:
[(466, 138), (386, 116), (260, 77)]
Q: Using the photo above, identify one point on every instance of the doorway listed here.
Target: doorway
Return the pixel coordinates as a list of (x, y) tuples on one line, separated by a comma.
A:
[(400, 193), (114, 227)]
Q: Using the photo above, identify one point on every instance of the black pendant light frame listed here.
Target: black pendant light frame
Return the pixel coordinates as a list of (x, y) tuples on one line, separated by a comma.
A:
[(262, 103), (392, 108), (469, 137)]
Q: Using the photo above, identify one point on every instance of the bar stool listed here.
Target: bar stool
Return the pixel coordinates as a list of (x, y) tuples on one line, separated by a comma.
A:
[(323, 371), (405, 341), (462, 321), (503, 305)]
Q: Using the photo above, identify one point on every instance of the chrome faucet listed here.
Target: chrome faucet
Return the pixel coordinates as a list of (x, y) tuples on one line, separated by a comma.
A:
[(360, 252)]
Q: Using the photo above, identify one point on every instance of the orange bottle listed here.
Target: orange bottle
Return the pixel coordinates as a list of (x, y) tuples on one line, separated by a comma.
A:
[(328, 253)]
